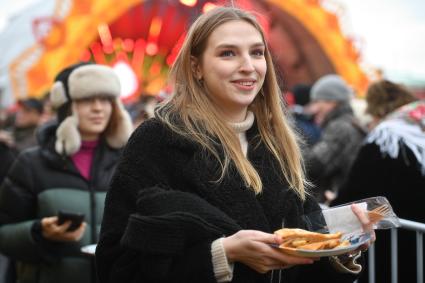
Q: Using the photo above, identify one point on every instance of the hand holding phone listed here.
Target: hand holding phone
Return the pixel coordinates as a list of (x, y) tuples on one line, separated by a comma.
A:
[(52, 230), (75, 218)]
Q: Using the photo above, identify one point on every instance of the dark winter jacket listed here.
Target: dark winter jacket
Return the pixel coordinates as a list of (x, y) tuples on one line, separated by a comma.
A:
[(39, 184), (158, 159), (400, 180), (330, 159), (7, 156)]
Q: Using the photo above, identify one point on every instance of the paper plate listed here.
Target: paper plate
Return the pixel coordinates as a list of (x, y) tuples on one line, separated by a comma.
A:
[(355, 242)]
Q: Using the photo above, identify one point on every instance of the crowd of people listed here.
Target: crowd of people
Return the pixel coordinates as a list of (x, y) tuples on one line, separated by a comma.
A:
[(208, 174)]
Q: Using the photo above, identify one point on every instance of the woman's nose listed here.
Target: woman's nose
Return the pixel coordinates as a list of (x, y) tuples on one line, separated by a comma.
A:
[(97, 103), (247, 65)]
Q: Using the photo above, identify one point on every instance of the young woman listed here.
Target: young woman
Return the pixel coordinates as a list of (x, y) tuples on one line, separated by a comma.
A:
[(201, 187), (69, 170)]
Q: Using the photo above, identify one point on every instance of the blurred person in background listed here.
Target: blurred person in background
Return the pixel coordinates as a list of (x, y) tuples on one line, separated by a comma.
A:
[(143, 109), (22, 134), (391, 163), (69, 170), (49, 112), (328, 161), (7, 155), (304, 121)]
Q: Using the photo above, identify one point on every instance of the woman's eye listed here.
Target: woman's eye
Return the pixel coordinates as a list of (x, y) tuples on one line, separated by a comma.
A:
[(227, 53), (258, 52)]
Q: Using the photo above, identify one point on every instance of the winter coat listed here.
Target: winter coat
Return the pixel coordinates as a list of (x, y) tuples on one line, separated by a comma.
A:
[(329, 160), (39, 184), (7, 156), (376, 173), (156, 158)]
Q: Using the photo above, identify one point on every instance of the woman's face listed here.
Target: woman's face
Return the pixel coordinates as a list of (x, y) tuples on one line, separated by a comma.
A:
[(94, 114), (233, 67)]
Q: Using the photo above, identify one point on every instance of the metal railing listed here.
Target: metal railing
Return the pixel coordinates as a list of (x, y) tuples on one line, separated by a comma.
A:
[(419, 228)]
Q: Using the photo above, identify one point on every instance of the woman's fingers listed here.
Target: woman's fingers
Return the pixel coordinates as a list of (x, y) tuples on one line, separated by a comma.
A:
[(78, 233), (60, 229), (289, 259), (52, 231), (366, 224), (261, 236), (254, 249), (363, 218)]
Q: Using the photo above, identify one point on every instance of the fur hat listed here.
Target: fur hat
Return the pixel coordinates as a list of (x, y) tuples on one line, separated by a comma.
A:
[(331, 88), (80, 81)]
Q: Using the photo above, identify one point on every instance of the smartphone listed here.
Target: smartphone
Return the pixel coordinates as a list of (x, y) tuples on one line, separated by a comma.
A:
[(75, 218)]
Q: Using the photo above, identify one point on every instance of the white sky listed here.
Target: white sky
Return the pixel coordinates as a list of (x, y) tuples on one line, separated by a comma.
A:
[(391, 32), (10, 7)]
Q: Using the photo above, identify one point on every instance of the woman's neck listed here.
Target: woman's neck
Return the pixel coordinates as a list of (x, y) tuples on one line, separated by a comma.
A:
[(245, 124), (89, 137), (234, 116)]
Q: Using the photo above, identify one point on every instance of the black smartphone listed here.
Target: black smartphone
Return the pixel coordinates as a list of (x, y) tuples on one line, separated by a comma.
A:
[(75, 218)]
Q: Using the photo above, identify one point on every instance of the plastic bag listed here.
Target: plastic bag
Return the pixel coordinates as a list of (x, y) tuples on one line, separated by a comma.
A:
[(342, 219)]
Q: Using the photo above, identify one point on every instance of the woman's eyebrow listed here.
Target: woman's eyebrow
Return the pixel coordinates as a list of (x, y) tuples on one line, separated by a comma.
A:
[(226, 45)]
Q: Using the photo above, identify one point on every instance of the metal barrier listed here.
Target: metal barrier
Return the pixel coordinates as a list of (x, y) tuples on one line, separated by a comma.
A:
[(419, 228)]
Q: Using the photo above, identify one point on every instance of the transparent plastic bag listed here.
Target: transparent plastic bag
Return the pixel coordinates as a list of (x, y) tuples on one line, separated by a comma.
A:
[(342, 218), (345, 226)]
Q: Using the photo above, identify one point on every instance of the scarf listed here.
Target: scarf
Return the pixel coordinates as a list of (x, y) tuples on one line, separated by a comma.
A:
[(404, 126)]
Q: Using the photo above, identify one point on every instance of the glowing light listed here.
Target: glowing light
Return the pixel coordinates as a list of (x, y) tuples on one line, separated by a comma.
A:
[(189, 3), (151, 49), (155, 27), (138, 55), (127, 77), (208, 7), (128, 45), (104, 34), (108, 49), (96, 49)]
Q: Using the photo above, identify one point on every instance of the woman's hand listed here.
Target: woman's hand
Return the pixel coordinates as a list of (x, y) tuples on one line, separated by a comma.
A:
[(253, 249), (52, 231), (366, 224)]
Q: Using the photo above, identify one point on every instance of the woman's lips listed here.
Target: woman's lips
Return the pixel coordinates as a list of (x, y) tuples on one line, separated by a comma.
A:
[(244, 84)]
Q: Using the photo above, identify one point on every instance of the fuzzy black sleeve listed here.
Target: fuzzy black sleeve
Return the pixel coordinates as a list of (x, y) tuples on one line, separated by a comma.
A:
[(149, 160)]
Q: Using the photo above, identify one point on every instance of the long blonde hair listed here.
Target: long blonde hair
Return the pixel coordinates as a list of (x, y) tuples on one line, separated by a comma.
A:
[(203, 123)]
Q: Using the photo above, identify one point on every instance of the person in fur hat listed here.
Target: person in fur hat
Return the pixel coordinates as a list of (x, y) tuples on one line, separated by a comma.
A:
[(69, 170)]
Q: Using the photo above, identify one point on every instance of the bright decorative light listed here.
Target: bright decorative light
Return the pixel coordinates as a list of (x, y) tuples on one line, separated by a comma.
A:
[(127, 77), (151, 48), (128, 45), (104, 34), (155, 27), (208, 6), (189, 3)]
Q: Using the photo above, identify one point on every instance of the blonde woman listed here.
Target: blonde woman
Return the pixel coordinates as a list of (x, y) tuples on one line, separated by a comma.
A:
[(202, 186)]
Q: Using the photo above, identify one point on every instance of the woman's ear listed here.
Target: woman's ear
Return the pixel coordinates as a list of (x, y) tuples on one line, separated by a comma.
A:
[(196, 69)]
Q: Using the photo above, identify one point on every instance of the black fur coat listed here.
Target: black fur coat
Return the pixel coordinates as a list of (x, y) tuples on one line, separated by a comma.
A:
[(156, 157)]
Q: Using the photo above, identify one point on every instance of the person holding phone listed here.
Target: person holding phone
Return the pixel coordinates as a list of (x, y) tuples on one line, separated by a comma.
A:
[(52, 187), (202, 186)]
